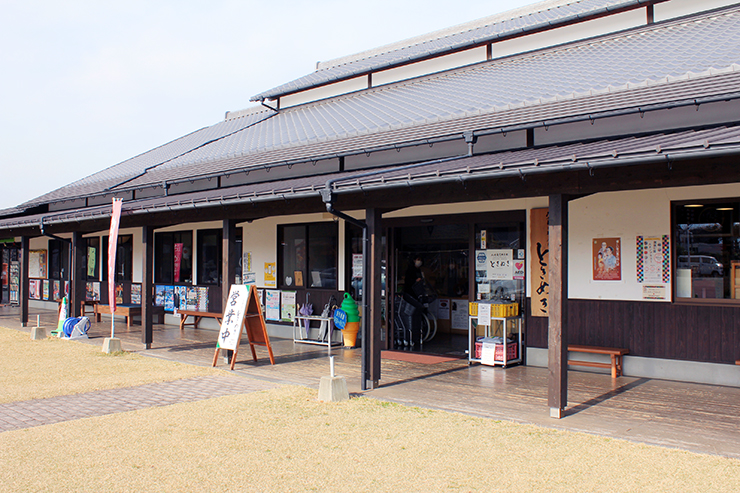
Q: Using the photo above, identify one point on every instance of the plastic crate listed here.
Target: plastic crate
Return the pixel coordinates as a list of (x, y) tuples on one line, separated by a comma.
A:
[(512, 350), (497, 309)]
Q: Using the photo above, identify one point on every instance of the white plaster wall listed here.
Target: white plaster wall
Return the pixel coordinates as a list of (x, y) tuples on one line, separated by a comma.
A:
[(446, 62), (624, 215), (566, 34), (677, 8)]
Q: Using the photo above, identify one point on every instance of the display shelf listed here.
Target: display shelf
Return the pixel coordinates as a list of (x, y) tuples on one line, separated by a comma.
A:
[(503, 358), (301, 335)]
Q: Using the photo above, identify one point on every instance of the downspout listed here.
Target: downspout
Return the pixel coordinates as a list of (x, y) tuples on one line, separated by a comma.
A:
[(326, 196)]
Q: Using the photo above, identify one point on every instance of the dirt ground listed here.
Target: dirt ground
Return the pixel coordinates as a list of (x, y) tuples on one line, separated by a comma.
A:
[(285, 440)]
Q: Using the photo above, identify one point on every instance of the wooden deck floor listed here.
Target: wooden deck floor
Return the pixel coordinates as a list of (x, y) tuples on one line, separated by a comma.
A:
[(694, 417)]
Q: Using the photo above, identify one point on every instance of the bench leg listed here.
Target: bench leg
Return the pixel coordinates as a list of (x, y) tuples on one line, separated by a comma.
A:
[(182, 321)]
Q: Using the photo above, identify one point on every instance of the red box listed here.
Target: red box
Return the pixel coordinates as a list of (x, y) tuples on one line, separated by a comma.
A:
[(498, 352)]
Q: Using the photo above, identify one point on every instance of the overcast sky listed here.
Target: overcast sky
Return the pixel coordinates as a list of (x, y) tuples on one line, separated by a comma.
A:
[(88, 84)]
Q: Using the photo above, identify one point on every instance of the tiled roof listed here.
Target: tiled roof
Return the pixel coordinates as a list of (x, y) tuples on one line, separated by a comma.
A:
[(544, 15), (554, 158), (131, 168), (639, 58), (662, 62)]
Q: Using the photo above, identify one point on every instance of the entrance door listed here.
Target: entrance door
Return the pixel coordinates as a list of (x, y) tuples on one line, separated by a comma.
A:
[(433, 276)]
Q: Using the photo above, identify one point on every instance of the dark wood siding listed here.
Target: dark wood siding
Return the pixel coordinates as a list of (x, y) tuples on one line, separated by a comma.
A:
[(657, 330)]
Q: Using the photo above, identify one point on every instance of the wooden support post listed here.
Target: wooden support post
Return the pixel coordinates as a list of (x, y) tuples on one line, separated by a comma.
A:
[(23, 294), (557, 345), (373, 218), (229, 259), (147, 298), (77, 291)]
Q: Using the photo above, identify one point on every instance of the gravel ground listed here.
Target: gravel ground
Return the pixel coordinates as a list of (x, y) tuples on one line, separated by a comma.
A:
[(285, 440)]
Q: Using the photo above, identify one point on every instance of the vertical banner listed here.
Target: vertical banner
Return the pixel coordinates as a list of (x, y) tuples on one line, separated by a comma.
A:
[(178, 260), (539, 258), (115, 220)]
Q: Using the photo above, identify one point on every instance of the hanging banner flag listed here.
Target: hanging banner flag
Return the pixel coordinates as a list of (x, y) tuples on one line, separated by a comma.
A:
[(115, 220)]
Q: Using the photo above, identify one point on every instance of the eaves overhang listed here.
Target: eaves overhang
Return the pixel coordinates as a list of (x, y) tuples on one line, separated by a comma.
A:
[(721, 141)]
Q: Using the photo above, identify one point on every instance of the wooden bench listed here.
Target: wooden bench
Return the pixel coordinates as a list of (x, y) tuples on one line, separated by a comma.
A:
[(614, 353), (128, 311), (197, 317)]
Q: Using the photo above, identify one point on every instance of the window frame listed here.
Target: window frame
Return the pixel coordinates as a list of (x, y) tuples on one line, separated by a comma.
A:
[(159, 261), (306, 272), (200, 250), (675, 254), (124, 253)]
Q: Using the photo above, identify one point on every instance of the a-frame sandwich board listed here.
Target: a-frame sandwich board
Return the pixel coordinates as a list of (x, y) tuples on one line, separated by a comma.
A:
[(247, 315)]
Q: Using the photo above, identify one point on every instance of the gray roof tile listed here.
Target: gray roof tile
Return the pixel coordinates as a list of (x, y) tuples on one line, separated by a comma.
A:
[(549, 17), (643, 57), (654, 63), (610, 152)]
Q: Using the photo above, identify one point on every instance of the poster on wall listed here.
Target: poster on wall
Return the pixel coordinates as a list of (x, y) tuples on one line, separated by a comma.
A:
[(270, 274), (37, 264), (192, 294), (119, 294), (159, 296), (202, 298), (287, 306), (443, 309), (272, 305), (653, 259), (46, 288), (56, 290), (539, 259), (181, 297), (356, 266), (607, 259), (34, 289), (92, 291), (459, 314), (92, 260), (169, 298), (136, 294), (15, 276)]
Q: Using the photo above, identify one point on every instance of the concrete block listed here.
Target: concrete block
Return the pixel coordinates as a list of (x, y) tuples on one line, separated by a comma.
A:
[(38, 333), (333, 389), (111, 345)]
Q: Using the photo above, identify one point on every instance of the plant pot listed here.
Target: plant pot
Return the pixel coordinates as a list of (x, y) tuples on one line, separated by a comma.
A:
[(349, 333)]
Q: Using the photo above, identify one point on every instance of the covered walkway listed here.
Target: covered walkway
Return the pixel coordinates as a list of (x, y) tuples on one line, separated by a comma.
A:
[(694, 417)]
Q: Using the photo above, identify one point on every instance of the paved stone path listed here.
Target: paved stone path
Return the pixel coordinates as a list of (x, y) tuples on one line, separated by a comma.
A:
[(38, 412)]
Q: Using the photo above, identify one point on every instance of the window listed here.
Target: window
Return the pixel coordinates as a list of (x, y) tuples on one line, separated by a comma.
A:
[(92, 269), (706, 239), (124, 258), (58, 259), (209, 256), (173, 257), (307, 255)]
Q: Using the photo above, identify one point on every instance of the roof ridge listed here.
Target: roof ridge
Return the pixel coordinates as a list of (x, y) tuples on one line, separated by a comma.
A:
[(455, 30)]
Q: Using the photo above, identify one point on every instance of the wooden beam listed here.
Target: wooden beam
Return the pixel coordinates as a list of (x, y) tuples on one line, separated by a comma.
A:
[(557, 345), (373, 218), (147, 285), (79, 274), (23, 295), (229, 259)]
